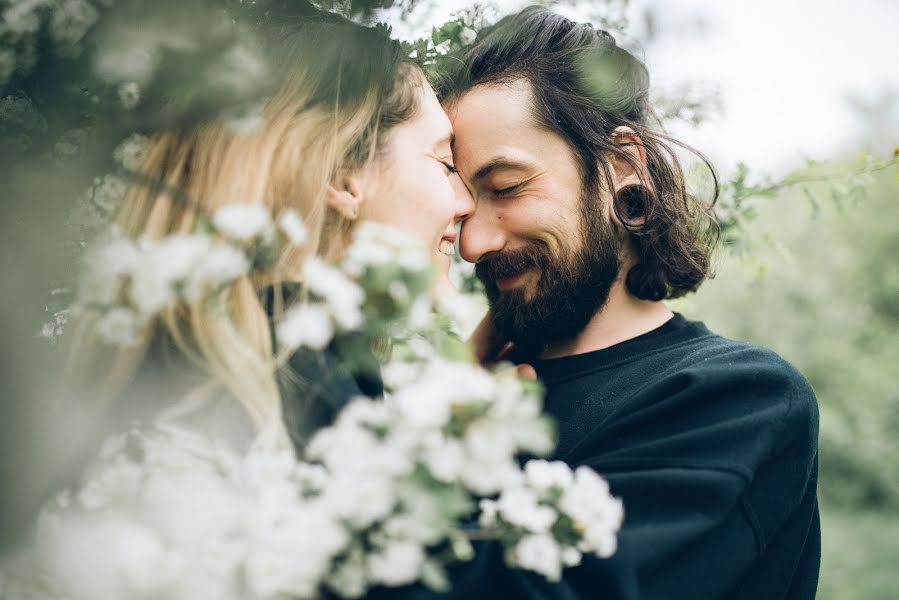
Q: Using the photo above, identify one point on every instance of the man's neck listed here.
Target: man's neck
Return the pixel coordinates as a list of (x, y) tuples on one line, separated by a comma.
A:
[(623, 317)]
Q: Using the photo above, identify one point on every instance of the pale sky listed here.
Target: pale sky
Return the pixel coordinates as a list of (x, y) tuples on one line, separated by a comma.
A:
[(785, 70)]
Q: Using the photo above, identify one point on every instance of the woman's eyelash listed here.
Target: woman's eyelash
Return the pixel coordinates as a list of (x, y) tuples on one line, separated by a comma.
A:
[(451, 168)]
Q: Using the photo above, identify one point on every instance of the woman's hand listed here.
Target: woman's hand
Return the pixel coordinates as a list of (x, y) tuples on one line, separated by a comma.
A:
[(489, 347)]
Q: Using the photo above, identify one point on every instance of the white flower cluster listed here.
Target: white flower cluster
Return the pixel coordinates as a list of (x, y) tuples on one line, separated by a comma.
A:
[(554, 516), (337, 306), (380, 284), (390, 482), (182, 517), (407, 470), (21, 22), (378, 245), (130, 282), (170, 513), (131, 152)]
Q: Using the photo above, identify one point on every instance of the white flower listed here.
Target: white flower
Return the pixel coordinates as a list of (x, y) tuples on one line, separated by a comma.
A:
[(132, 151), (163, 264), (599, 539), (191, 504), (397, 564), (348, 579), (467, 36), (21, 17), (343, 295), (290, 222), (398, 290), (107, 264), (428, 402), (70, 22), (144, 559), (360, 498), (312, 478), (571, 557), (399, 373), (464, 311), (378, 244), (242, 222), (306, 325), (421, 314), (424, 404), (544, 475), (491, 465), (364, 411), (444, 458), (106, 555), (348, 317), (245, 120), (121, 479), (108, 193), (293, 544), (594, 510), (262, 466), (120, 326), (219, 266), (129, 94), (134, 58), (540, 553), (351, 447), (489, 513), (519, 507)]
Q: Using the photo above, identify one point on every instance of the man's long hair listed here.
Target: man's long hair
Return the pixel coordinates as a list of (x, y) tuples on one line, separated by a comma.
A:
[(585, 86)]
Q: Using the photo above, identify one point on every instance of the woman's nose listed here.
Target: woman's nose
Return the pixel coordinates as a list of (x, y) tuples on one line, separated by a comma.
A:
[(464, 200)]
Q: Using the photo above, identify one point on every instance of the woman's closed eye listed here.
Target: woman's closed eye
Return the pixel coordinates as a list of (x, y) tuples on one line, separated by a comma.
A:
[(450, 167)]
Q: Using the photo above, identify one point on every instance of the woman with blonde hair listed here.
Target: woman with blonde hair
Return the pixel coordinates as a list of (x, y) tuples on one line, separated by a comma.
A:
[(353, 132)]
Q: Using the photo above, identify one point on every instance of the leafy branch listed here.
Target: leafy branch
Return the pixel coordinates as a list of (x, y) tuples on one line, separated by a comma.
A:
[(735, 210)]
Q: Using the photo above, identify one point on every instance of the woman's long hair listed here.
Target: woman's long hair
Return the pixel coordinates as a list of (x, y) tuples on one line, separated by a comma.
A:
[(341, 87)]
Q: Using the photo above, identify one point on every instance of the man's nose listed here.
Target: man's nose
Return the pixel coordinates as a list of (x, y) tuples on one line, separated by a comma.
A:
[(464, 199), (482, 233)]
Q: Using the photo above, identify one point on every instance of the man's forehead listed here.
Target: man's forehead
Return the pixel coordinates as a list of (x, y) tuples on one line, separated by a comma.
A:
[(494, 122), (497, 107)]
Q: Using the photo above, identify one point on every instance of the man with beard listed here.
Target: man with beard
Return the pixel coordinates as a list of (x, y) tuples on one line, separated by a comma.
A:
[(583, 227)]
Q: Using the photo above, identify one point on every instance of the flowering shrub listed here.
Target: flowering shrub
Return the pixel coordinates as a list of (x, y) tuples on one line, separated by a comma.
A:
[(388, 495)]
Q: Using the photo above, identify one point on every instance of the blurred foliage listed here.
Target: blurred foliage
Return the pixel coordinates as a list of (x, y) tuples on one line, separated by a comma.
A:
[(815, 278), (860, 555)]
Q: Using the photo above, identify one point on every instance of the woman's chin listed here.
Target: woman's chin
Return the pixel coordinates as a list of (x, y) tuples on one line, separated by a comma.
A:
[(442, 283)]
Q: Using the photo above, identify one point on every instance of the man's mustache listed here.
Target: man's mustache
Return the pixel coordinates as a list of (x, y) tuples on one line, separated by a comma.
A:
[(508, 263)]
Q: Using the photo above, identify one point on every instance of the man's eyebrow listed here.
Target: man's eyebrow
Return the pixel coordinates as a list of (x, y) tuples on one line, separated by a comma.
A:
[(497, 164)]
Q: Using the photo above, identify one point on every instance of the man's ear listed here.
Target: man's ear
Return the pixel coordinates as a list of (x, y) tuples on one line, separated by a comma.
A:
[(624, 172), (344, 193), (630, 178)]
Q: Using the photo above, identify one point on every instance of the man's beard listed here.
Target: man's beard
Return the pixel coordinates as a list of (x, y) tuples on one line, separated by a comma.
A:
[(570, 290)]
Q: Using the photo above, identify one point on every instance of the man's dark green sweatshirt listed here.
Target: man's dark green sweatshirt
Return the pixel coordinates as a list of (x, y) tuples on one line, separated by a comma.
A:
[(712, 445)]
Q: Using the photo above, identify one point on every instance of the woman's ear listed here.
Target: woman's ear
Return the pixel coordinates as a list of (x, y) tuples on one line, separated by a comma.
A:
[(344, 194)]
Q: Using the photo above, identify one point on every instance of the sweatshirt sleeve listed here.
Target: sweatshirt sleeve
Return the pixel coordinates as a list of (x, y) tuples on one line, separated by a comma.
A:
[(710, 463), (315, 386)]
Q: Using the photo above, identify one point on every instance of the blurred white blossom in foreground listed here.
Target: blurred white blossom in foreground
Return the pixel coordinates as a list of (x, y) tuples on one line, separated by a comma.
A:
[(169, 512)]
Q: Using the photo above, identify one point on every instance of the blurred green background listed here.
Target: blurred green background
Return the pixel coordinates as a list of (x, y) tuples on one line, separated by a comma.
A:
[(818, 282)]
